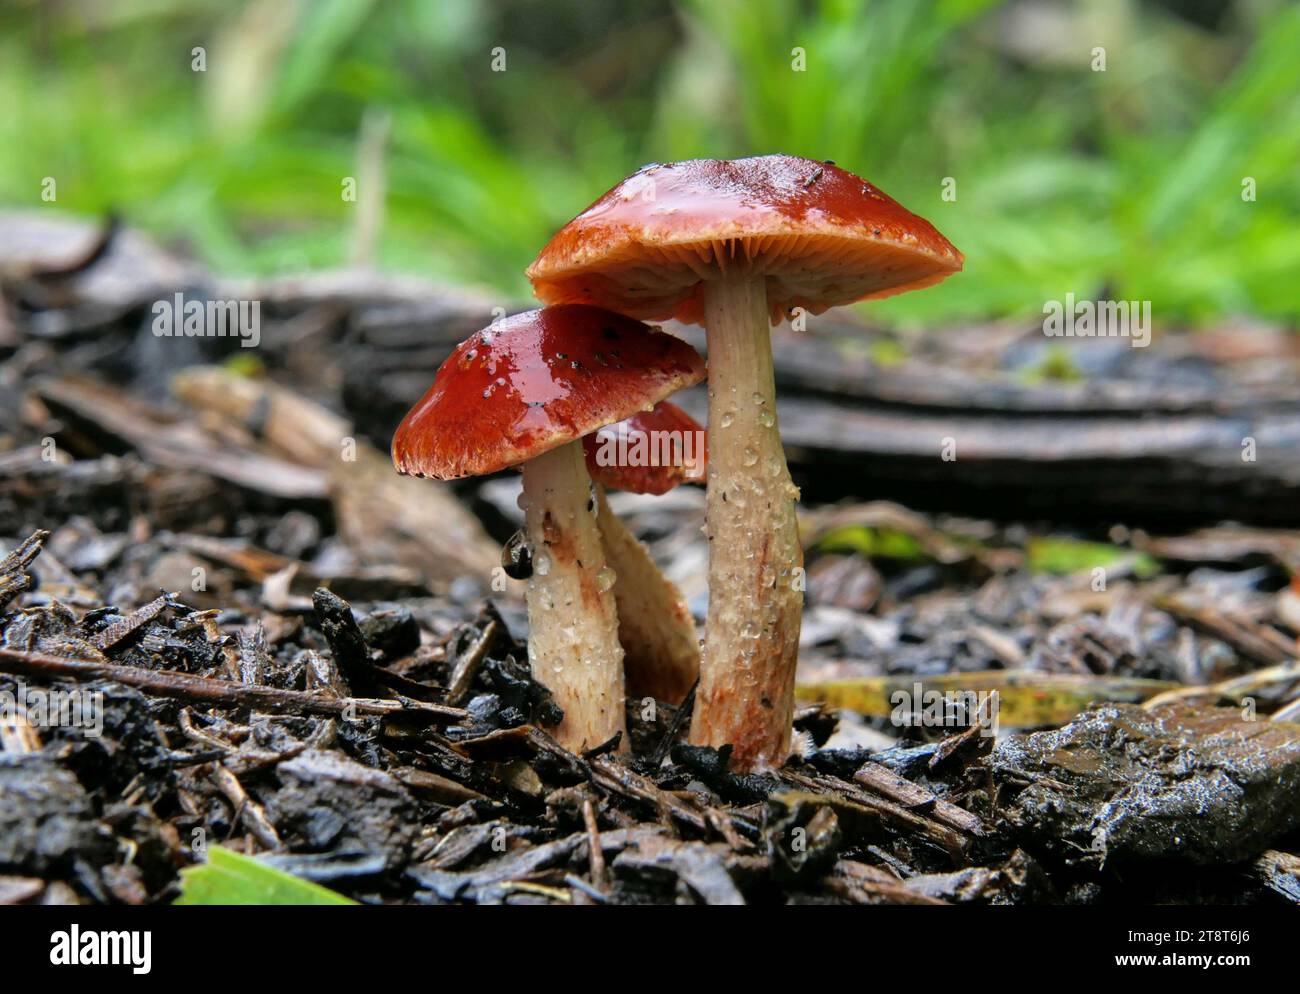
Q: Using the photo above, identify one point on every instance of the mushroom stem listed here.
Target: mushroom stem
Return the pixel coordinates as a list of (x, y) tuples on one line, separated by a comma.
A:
[(573, 645), (746, 693), (661, 649)]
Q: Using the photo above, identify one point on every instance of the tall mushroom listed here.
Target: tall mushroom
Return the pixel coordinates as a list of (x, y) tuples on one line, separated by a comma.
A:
[(523, 392), (648, 453), (732, 244)]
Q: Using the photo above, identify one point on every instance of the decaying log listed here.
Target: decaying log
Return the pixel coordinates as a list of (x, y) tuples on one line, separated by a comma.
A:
[(1094, 450)]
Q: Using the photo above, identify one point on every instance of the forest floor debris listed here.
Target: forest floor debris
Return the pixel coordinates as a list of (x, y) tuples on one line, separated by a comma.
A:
[(280, 655)]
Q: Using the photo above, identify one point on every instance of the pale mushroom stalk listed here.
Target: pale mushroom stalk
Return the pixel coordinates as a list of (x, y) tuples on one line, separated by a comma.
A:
[(573, 641), (655, 625), (755, 602), (731, 244)]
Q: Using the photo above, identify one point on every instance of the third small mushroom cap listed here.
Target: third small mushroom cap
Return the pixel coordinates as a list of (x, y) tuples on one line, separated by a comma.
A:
[(649, 453), (820, 235)]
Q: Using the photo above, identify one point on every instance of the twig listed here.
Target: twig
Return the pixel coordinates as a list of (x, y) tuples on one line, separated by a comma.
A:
[(1288, 712), (889, 784), (596, 858), (683, 713), (222, 693), (578, 884), (13, 567), (611, 776), (1257, 642), (469, 661), (185, 721), (121, 630), (248, 810), (888, 812)]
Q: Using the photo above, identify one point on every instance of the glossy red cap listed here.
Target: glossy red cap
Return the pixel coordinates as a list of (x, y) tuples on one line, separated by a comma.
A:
[(649, 453), (820, 235), (529, 383)]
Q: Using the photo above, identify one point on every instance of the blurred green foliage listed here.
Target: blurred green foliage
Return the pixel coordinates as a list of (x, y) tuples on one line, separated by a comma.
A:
[(1065, 556), (1124, 183)]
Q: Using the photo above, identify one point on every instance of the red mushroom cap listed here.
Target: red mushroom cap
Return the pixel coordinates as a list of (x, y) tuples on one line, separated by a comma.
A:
[(820, 235), (532, 382), (666, 444)]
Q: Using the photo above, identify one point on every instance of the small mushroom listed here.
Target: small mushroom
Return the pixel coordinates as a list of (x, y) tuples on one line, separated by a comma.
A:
[(523, 392), (648, 453), (737, 245)]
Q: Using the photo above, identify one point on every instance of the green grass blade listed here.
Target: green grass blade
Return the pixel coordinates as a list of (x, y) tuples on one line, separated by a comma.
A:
[(229, 878)]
